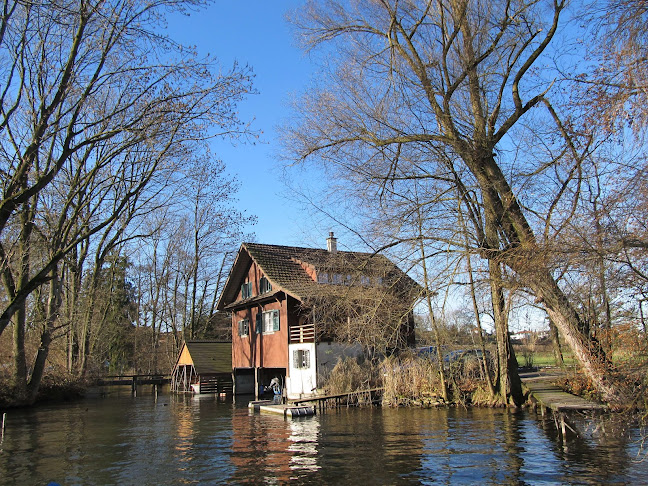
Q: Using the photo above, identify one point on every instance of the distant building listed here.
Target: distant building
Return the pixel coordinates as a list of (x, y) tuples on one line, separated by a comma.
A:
[(528, 337)]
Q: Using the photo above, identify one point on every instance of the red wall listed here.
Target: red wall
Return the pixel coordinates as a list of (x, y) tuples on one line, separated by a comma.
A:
[(260, 350)]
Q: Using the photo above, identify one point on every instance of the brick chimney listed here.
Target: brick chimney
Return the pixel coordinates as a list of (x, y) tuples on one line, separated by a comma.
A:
[(331, 243)]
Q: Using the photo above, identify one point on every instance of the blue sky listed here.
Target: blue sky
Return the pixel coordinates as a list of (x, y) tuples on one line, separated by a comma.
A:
[(256, 33)]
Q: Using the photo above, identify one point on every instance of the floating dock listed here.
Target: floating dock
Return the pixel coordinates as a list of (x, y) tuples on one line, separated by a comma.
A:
[(287, 410)]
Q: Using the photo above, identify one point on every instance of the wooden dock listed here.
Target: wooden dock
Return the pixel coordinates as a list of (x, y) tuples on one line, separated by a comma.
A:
[(134, 381), (372, 395), (544, 394), (287, 410), (548, 395)]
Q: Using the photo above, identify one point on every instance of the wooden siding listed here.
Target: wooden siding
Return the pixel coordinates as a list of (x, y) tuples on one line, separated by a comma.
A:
[(260, 350)]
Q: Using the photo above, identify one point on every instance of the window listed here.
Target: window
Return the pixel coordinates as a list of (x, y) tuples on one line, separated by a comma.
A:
[(267, 322), (246, 290), (264, 285), (338, 279), (322, 278), (244, 327), (301, 359), (364, 280)]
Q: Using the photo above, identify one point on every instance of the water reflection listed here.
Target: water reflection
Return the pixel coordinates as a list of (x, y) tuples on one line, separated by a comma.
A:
[(183, 440), (303, 444)]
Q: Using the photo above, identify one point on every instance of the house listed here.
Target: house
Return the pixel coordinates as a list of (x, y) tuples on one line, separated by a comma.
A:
[(203, 367), (296, 310)]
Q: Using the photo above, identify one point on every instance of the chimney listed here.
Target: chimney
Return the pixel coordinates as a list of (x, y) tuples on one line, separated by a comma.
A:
[(331, 243)]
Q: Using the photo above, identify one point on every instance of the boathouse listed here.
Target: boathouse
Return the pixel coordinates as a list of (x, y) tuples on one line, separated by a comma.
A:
[(290, 304), (203, 367)]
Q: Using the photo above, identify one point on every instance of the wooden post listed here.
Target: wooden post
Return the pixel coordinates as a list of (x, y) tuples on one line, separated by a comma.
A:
[(256, 383), (4, 418)]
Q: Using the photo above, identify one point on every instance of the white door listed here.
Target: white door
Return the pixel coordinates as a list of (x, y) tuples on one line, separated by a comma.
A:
[(302, 379)]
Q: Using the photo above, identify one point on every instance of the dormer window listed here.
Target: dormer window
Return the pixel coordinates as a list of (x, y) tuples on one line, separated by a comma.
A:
[(264, 285), (246, 290), (322, 278)]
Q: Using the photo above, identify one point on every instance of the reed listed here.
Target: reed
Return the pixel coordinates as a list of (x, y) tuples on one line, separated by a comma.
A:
[(410, 380), (349, 375)]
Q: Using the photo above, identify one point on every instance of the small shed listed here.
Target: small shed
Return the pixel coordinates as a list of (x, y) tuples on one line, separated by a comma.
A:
[(203, 367)]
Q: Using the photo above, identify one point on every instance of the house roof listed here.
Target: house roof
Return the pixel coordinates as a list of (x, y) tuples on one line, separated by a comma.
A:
[(293, 270), (207, 357)]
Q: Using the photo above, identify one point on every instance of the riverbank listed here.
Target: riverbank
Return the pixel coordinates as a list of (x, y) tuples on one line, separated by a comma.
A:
[(51, 391)]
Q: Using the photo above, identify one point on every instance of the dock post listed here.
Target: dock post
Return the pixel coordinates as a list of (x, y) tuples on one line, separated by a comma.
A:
[(134, 386), (4, 418)]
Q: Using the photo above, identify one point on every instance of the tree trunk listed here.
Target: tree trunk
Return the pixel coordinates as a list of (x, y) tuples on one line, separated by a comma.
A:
[(428, 300), (526, 259), (19, 379), (53, 305), (19, 319), (485, 366), (555, 342), (596, 366), (509, 385)]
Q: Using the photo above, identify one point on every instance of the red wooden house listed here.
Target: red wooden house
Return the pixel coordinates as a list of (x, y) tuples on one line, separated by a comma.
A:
[(282, 300)]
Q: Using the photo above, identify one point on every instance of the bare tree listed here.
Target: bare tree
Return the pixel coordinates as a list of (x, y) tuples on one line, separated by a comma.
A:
[(94, 104), (458, 77)]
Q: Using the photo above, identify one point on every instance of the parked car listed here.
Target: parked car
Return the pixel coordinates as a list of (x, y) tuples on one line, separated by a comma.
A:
[(426, 351)]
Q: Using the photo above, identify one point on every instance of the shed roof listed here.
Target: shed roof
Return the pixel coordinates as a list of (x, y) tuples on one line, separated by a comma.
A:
[(207, 357)]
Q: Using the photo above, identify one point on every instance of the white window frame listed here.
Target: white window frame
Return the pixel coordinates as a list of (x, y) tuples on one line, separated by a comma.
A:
[(244, 327), (270, 321), (301, 359)]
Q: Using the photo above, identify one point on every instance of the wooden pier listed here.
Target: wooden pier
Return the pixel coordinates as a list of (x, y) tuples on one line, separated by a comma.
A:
[(549, 397), (134, 381), (373, 395)]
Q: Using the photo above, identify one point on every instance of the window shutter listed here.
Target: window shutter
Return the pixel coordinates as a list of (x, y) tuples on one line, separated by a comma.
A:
[(259, 323), (275, 320)]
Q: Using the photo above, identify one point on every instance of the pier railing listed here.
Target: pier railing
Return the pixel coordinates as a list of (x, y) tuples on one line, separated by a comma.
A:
[(134, 380), (373, 395)]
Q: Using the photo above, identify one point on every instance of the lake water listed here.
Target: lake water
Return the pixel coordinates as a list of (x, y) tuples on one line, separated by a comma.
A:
[(146, 440)]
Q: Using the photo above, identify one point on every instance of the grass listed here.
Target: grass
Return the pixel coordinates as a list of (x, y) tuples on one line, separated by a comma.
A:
[(540, 358)]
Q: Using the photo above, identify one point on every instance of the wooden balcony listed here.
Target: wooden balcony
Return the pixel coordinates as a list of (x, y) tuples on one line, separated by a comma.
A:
[(302, 334)]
